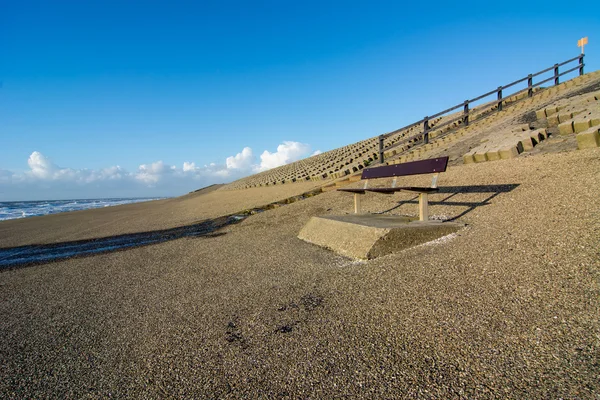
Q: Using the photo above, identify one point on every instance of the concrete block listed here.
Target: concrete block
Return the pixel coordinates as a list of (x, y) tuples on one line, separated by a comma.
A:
[(553, 120), (362, 236), (468, 158), (521, 128), (539, 134), (493, 155), (566, 128), (480, 157), (580, 125), (526, 143), (588, 139), (563, 117), (508, 152)]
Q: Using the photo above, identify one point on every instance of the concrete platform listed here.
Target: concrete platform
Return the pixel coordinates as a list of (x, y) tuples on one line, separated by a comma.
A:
[(367, 236)]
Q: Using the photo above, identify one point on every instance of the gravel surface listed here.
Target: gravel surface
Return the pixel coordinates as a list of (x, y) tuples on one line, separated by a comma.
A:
[(507, 308)]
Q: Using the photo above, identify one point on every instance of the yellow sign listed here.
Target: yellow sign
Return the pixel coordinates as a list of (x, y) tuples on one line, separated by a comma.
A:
[(582, 42)]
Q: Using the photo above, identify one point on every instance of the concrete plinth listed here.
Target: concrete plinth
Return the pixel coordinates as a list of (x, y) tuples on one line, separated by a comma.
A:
[(588, 139), (367, 236)]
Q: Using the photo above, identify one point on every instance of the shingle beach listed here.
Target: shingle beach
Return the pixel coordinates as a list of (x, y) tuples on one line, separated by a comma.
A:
[(507, 307)]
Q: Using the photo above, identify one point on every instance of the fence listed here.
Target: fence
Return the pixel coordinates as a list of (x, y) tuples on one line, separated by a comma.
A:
[(500, 97)]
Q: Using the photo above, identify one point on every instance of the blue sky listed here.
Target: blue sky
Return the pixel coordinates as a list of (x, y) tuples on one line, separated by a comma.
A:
[(103, 98)]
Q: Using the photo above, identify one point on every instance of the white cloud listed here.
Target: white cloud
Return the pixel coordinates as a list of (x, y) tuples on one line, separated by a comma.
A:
[(112, 173), (46, 180), (286, 153), (189, 166), (220, 170), (41, 167), (152, 173), (209, 170), (243, 160)]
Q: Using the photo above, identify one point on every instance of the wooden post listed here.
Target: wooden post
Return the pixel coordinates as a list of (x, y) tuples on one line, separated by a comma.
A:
[(529, 85), (357, 203), (426, 130), (556, 81), (499, 98), (466, 113), (581, 63), (423, 207), (381, 149)]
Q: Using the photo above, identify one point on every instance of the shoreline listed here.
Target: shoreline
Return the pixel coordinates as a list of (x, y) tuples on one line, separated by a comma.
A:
[(37, 208)]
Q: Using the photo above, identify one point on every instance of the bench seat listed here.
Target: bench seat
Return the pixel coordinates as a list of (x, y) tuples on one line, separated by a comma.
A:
[(430, 166), (390, 190)]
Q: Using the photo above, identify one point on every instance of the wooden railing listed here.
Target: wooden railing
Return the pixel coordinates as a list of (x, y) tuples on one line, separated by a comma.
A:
[(500, 97)]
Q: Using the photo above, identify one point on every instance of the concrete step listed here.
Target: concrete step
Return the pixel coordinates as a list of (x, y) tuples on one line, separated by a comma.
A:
[(367, 236)]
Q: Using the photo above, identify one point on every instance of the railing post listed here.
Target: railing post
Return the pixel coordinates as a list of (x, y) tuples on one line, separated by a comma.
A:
[(381, 149), (530, 85), (556, 74), (499, 98), (466, 113), (581, 64), (426, 130)]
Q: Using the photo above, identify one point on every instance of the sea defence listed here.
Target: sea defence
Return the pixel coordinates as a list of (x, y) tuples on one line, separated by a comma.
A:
[(456, 140)]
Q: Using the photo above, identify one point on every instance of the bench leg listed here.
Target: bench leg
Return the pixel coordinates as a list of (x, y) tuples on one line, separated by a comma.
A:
[(356, 203), (423, 207)]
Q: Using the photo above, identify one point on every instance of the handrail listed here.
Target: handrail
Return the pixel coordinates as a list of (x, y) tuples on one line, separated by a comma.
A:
[(445, 111), (482, 96), (515, 82), (543, 71), (499, 101), (572, 59)]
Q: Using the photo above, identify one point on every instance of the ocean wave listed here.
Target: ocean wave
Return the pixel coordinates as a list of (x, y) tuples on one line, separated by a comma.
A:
[(25, 209)]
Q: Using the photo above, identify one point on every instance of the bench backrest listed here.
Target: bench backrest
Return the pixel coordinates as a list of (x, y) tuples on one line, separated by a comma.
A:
[(429, 166)]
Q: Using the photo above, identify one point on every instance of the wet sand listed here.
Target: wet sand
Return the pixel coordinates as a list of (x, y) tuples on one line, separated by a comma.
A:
[(508, 308)]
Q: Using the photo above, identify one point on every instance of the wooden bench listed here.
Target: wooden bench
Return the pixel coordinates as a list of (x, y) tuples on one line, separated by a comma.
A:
[(429, 166)]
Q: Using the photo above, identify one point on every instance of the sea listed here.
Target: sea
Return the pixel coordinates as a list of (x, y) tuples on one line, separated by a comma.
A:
[(24, 209)]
